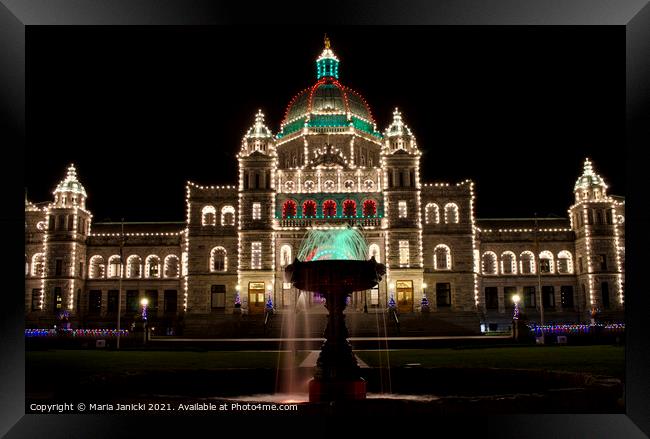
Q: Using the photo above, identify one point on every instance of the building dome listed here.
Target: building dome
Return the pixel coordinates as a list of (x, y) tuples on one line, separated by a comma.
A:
[(328, 103), (70, 183)]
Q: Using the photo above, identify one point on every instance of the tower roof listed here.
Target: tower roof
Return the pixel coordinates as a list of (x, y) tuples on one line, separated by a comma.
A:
[(259, 130), (70, 183), (589, 178), (397, 126)]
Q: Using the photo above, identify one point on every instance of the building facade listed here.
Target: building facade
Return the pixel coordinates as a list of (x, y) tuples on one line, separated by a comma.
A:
[(328, 166)]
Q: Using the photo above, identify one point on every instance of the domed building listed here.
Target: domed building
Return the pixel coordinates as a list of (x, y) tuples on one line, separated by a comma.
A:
[(328, 166)]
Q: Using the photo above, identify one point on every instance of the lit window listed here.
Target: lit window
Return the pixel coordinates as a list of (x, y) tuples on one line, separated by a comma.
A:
[(508, 263), (257, 211), (442, 257), (208, 216), (171, 266), (256, 255), (369, 208), (309, 208), (527, 262), (546, 262), (403, 253), (114, 266), (373, 252), (451, 213), (564, 262), (349, 208), (289, 209), (489, 263), (133, 267), (401, 209), (152, 266), (227, 216), (432, 214), (218, 259), (285, 255), (329, 208)]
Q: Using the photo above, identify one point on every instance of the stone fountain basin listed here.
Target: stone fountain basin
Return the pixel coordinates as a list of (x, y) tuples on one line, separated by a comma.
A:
[(327, 276)]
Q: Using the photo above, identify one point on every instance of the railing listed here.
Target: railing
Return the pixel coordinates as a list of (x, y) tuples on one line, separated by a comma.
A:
[(309, 222)]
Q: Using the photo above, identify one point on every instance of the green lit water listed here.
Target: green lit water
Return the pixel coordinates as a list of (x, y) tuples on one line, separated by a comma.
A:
[(346, 244)]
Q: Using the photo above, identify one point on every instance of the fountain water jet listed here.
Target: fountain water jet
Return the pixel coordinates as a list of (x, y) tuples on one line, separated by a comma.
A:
[(333, 265)]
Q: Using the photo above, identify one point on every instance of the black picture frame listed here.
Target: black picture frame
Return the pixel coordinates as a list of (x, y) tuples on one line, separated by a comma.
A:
[(16, 15)]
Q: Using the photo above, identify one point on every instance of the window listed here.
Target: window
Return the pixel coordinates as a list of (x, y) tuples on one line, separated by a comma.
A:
[(373, 252), (349, 208), (51, 222), (443, 294), (527, 261), (218, 296), (546, 262), (309, 186), (403, 253), (170, 301), (604, 291), (442, 257), (70, 220), (432, 214), (36, 299), (489, 263), (38, 264), (94, 302), (451, 213), (289, 209), (81, 269), (152, 297), (257, 211), (369, 185), (329, 185), (369, 208), (58, 299), (602, 262), (374, 297), (491, 297), (329, 208), (401, 209), (133, 267), (218, 259), (256, 255), (564, 262), (58, 268), (609, 215), (566, 296), (309, 209), (289, 186), (227, 216), (349, 185), (152, 266), (114, 266), (208, 216), (508, 263), (548, 296), (171, 266), (581, 266), (529, 297), (132, 300), (285, 255), (112, 301)]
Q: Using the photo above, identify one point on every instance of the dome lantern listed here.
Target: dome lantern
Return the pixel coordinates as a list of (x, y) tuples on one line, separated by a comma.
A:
[(590, 185), (399, 136), (258, 137), (327, 64), (70, 191)]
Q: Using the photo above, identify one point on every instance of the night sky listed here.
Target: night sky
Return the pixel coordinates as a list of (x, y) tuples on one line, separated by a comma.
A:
[(142, 110)]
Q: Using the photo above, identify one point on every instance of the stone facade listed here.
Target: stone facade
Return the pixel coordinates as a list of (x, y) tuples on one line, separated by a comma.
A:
[(327, 167)]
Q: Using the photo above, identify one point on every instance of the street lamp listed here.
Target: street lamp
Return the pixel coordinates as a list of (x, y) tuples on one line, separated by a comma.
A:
[(144, 302), (515, 317)]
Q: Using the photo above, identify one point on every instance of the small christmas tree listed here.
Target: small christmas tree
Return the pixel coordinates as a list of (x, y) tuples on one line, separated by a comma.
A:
[(237, 301), (391, 303), (424, 305), (269, 305)]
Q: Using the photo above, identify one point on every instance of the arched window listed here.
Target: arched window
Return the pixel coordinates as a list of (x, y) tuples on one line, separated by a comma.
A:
[(289, 209), (489, 263), (218, 259), (329, 208), (227, 216), (564, 262), (97, 267), (432, 214), (309, 209), (134, 267), (208, 216), (369, 208), (152, 266), (349, 208), (451, 213), (38, 264), (285, 255), (546, 262), (171, 266), (508, 263), (527, 262), (442, 257), (114, 266), (373, 251)]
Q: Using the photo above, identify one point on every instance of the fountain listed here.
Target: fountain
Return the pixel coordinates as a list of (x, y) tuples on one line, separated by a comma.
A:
[(333, 264)]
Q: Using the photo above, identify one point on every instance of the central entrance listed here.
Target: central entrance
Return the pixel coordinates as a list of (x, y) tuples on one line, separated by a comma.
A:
[(256, 297), (404, 289)]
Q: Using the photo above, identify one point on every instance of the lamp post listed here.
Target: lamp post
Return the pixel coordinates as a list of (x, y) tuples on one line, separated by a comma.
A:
[(144, 302), (515, 317), (539, 284)]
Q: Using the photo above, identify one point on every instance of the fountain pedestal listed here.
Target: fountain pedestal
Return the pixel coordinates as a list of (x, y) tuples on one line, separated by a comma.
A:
[(337, 374)]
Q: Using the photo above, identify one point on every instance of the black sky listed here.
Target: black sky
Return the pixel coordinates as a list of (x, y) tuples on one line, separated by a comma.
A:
[(142, 110)]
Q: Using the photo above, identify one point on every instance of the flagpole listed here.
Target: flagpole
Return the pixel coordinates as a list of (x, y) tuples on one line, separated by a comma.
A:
[(119, 294)]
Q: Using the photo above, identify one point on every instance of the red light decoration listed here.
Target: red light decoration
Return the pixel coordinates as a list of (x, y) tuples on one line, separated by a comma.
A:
[(329, 208), (369, 208), (349, 208), (308, 208), (289, 209)]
